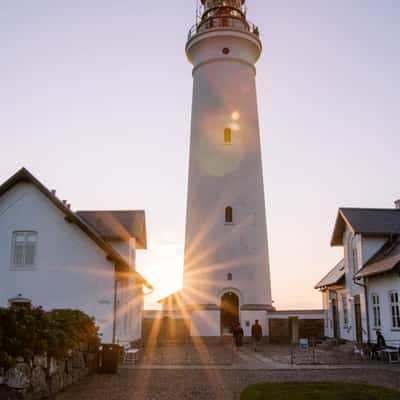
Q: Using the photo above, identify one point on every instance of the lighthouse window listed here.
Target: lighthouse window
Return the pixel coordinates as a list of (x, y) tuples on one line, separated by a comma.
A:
[(228, 136), (229, 215), (226, 50), (229, 276)]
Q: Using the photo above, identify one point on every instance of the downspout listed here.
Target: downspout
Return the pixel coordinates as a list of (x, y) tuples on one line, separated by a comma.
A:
[(363, 285), (115, 310)]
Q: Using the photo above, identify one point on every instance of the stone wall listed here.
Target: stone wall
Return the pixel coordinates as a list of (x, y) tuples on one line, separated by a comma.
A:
[(280, 329), (311, 328), (43, 377)]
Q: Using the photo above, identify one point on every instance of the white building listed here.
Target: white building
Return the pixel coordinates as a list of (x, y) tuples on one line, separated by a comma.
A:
[(226, 270), (60, 259), (361, 293)]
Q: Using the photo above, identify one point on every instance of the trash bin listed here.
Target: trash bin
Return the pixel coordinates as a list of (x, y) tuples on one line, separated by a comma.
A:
[(110, 358)]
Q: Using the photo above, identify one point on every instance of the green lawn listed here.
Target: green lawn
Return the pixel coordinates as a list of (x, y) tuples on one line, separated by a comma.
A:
[(317, 391)]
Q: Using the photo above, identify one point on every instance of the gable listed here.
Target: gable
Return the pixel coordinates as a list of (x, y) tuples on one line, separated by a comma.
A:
[(24, 177), (366, 221)]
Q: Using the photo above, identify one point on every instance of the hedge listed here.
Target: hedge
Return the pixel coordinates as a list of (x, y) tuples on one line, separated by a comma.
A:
[(32, 331)]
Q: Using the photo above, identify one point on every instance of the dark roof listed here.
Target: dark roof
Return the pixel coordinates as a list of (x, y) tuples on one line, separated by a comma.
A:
[(118, 225), (334, 276), (366, 221), (23, 175), (385, 260)]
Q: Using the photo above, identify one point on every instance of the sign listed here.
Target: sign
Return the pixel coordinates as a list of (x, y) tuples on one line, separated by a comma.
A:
[(303, 344)]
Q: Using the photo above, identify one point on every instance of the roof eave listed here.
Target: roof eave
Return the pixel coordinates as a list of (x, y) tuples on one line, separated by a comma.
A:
[(23, 175)]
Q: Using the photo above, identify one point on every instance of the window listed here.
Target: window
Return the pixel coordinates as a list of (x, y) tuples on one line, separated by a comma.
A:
[(228, 136), (345, 312), (23, 249), (228, 215), (376, 310), (395, 309), (229, 277)]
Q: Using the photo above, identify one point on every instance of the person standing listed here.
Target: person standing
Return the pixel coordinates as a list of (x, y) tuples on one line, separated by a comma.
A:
[(256, 334), (238, 335)]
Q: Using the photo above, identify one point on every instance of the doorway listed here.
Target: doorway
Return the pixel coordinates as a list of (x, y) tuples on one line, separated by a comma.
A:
[(229, 312), (294, 335), (335, 319)]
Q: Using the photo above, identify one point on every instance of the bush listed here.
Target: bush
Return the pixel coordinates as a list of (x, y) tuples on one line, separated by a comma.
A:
[(32, 331)]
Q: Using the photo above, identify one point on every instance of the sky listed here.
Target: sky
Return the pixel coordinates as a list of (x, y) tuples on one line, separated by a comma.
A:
[(95, 100)]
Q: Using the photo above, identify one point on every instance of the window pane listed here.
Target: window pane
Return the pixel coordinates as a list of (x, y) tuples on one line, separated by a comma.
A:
[(31, 237), (227, 136), (18, 254), (29, 254), (19, 237), (228, 214)]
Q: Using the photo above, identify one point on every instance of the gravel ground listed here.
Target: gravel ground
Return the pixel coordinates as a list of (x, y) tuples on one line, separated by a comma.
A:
[(210, 384)]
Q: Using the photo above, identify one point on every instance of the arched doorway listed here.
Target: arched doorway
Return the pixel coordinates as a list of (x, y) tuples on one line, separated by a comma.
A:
[(229, 312)]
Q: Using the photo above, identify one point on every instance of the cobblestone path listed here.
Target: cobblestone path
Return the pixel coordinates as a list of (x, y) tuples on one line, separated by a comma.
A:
[(218, 373), (213, 384)]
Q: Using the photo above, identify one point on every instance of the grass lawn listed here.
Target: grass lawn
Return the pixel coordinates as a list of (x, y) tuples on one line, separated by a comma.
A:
[(317, 391)]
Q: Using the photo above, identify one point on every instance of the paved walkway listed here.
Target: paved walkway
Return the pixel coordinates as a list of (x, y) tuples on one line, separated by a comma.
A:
[(186, 378)]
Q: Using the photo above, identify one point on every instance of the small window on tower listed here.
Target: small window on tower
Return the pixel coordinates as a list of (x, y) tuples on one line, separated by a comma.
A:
[(228, 215), (229, 276), (228, 136)]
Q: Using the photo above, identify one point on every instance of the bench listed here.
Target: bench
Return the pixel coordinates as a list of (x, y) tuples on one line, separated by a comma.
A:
[(391, 355)]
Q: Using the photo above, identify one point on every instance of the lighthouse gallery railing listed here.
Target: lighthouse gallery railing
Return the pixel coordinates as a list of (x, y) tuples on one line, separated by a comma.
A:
[(223, 22)]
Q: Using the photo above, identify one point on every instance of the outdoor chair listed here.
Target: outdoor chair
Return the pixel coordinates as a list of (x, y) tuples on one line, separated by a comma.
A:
[(131, 356)]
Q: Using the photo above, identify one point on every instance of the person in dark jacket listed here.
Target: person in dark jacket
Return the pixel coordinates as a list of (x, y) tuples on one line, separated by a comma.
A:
[(238, 335), (380, 340), (256, 334), (378, 346)]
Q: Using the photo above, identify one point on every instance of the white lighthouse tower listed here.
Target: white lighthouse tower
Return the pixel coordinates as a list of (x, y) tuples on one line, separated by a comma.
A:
[(226, 272)]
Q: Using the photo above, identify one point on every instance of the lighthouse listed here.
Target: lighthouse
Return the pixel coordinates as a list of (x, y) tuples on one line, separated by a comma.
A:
[(226, 261)]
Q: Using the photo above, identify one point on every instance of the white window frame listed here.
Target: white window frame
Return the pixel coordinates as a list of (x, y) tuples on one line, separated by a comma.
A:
[(24, 265), (394, 309), (376, 310)]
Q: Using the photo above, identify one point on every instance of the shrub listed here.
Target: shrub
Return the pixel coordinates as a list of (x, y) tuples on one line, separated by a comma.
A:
[(32, 331)]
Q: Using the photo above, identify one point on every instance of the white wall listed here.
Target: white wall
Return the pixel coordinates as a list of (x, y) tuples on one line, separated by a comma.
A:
[(71, 271), (129, 311), (251, 316), (223, 175), (205, 323), (382, 285), (366, 248), (126, 249), (300, 314)]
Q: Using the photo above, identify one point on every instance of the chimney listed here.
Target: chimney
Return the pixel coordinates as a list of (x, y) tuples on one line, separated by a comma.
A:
[(69, 205), (53, 192), (65, 202), (397, 204)]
